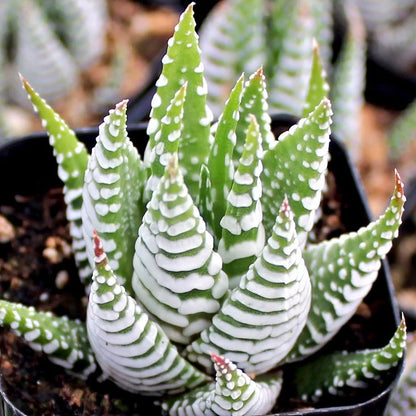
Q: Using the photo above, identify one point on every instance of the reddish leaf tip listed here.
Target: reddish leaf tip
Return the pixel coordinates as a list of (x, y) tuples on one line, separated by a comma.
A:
[(98, 249)]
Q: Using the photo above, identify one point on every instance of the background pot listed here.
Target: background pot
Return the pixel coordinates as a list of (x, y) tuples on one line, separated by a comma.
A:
[(29, 166)]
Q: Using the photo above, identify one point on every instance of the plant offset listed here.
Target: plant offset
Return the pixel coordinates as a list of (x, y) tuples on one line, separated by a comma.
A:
[(203, 272)]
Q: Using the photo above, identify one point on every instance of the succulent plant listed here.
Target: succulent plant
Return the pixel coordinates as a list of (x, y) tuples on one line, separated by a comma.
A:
[(199, 252), (279, 35), (50, 43)]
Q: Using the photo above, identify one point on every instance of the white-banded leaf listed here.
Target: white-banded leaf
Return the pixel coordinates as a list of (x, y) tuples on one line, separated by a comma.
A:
[(64, 341), (182, 63), (177, 275), (72, 159), (233, 393), (334, 373), (130, 348), (220, 165), (112, 194), (342, 272), (39, 56), (243, 233), (225, 55), (262, 318), (322, 12), (81, 25), (253, 102), (347, 94), (296, 166), (288, 87), (166, 140)]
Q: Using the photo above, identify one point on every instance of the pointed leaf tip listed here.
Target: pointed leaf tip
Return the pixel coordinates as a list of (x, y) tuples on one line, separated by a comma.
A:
[(399, 186), (221, 362), (100, 256), (122, 105)]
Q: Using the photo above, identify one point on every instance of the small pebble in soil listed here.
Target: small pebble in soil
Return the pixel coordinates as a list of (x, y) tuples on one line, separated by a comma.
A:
[(7, 232)]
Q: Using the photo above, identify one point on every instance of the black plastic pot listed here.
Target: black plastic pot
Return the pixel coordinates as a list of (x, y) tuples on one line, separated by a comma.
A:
[(27, 166)]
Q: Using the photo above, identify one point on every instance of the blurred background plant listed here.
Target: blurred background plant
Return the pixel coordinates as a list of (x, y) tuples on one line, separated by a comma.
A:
[(90, 52)]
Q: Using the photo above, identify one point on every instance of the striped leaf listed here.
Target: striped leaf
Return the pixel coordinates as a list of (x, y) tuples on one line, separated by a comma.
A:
[(177, 275), (342, 272), (72, 159), (254, 102), (132, 350), (333, 374), (261, 319), (220, 166), (347, 94), (289, 85), (64, 341), (242, 229), (166, 140), (225, 55), (39, 56), (233, 393), (296, 166), (182, 63), (112, 194)]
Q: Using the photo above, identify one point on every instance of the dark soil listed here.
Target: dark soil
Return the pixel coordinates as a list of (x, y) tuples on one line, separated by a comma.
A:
[(28, 274)]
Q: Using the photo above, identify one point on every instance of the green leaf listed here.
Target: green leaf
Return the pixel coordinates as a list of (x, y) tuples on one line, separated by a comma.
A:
[(220, 165), (166, 140), (233, 393), (64, 341), (288, 87), (40, 56), (343, 271), (243, 233), (261, 319), (253, 102), (318, 85), (347, 94), (177, 275), (296, 166), (333, 374), (225, 55), (182, 63), (112, 194), (72, 159), (131, 349)]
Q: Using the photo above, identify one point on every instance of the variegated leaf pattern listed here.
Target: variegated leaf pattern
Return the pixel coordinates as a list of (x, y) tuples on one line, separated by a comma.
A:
[(262, 318), (220, 165), (177, 275), (288, 87), (347, 94), (112, 194), (322, 12), (81, 25), (402, 399), (72, 158), (166, 139), (132, 350), (64, 341), (39, 56), (342, 272), (318, 85), (253, 102), (233, 393), (226, 56), (296, 166), (332, 374), (243, 235), (181, 63)]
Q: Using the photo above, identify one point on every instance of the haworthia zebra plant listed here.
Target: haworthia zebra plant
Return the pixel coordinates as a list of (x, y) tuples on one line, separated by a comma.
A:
[(50, 42), (278, 34), (202, 273)]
